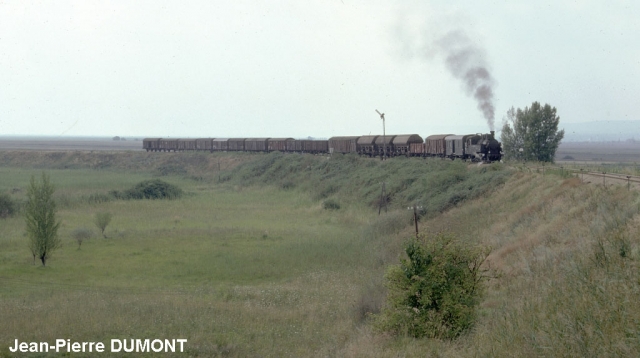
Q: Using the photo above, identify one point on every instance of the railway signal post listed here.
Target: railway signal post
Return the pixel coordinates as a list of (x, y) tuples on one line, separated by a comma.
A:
[(384, 139)]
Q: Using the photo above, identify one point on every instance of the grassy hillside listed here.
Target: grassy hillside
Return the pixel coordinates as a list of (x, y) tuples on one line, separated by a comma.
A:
[(251, 262)]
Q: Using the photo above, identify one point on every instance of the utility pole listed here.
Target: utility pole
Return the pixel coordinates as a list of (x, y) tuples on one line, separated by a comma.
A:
[(384, 139)]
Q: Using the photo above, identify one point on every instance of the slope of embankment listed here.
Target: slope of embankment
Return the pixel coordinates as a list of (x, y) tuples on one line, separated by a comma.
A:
[(564, 271)]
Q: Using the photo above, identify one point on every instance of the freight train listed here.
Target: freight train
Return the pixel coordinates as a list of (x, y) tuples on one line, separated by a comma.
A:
[(475, 147)]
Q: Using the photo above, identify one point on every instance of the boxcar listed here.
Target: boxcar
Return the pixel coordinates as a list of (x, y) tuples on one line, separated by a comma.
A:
[(168, 145), (457, 145), (236, 144), (256, 144), (320, 146), (281, 144), (417, 149), (311, 146), (366, 145), (435, 145), (151, 144), (384, 143), (204, 144), (402, 143), (186, 144), (343, 144), (218, 144)]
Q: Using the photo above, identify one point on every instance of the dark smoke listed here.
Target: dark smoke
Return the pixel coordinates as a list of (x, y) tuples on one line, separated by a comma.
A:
[(465, 61)]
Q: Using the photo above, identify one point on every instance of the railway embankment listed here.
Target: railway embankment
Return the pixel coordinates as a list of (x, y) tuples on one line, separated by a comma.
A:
[(564, 271), (434, 185)]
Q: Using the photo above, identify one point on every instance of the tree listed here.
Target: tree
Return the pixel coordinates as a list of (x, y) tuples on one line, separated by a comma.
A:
[(532, 133), (81, 234), (102, 220), (40, 216), (8, 206)]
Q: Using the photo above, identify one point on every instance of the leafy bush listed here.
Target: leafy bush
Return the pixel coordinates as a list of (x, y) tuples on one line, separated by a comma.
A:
[(8, 207), (331, 204), (99, 198), (80, 234), (433, 293), (150, 189), (102, 220)]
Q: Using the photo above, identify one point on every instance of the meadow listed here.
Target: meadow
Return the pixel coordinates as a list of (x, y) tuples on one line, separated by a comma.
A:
[(252, 262)]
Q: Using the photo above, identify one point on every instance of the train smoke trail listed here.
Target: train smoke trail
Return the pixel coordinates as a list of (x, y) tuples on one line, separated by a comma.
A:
[(465, 59), (466, 62)]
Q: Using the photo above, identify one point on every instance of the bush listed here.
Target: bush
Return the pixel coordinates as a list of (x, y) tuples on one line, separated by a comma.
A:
[(150, 189), (433, 293), (8, 207), (102, 220), (80, 234), (331, 204)]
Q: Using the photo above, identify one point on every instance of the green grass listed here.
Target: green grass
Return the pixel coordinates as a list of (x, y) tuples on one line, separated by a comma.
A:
[(250, 263), (236, 270)]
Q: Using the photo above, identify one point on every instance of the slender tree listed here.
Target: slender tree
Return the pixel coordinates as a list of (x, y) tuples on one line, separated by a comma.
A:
[(40, 216), (102, 220), (531, 133)]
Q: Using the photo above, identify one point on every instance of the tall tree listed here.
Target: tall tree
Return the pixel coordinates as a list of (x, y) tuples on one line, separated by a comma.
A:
[(531, 133), (40, 216)]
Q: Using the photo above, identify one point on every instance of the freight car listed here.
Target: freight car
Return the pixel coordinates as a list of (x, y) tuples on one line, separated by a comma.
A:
[(474, 147)]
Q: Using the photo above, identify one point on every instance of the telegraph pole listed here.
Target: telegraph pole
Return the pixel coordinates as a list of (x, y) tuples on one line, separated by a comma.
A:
[(384, 139)]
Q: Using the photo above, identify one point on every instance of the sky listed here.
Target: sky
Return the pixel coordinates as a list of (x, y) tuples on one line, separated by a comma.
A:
[(316, 68)]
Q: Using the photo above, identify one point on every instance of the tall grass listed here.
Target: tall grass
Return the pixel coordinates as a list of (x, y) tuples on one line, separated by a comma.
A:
[(436, 185)]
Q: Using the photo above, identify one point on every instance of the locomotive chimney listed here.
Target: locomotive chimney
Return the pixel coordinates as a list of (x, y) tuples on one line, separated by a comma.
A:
[(493, 133)]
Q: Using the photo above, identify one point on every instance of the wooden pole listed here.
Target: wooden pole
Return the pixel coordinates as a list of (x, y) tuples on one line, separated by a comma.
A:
[(415, 218)]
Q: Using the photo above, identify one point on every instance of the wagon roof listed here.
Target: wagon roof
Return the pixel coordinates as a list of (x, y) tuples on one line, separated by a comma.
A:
[(280, 139), (186, 139), (257, 139), (454, 137), (367, 139), (204, 138), (345, 138), (437, 136), (150, 139), (407, 139), (387, 139), (220, 139), (236, 139)]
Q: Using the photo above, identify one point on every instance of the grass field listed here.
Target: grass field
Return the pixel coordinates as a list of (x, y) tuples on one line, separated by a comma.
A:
[(233, 270), (250, 263)]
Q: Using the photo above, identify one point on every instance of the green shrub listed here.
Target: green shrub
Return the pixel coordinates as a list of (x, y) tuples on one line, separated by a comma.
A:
[(99, 198), (433, 293), (8, 207), (102, 220), (150, 189), (80, 234), (331, 204)]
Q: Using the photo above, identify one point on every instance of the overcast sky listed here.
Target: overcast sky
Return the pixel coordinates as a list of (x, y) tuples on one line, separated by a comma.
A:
[(310, 68)]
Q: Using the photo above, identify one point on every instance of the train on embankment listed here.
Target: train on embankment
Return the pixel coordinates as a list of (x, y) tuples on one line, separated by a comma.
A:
[(480, 147)]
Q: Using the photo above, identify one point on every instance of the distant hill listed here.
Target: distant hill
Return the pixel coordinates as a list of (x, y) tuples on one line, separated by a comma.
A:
[(601, 131)]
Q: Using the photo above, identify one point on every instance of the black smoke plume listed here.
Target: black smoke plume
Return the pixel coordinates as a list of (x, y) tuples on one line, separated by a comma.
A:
[(466, 62)]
